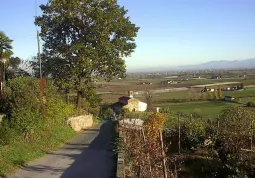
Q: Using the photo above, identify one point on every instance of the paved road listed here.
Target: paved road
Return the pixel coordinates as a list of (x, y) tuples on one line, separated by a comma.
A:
[(89, 155)]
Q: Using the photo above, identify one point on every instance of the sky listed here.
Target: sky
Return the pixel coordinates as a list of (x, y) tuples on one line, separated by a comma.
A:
[(172, 32)]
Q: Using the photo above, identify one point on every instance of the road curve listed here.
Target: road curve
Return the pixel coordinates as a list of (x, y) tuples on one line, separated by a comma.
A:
[(89, 155)]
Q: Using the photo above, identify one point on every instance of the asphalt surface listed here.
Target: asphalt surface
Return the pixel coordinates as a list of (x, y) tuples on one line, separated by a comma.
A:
[(89, 155)]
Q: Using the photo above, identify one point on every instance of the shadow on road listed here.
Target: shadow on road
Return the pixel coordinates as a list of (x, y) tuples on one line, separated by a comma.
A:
[(97, 159)]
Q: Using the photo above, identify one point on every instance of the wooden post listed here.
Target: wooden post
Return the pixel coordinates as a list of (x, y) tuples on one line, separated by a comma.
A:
[(163, 154), (39, 55), (179, 130)]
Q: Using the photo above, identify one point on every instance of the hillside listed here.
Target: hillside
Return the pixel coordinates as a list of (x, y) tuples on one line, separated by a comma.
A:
[(222, 64)]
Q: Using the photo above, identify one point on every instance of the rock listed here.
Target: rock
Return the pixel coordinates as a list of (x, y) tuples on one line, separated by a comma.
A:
[(1, 117), (80, 122), (208, 142)]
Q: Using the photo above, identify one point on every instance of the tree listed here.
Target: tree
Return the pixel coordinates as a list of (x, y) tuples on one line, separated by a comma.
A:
[(148, 97), (220, 92), (46, 66), (12, 65), (5, 46), (14, 62), (85, 39), (216, 96), (235, 133)]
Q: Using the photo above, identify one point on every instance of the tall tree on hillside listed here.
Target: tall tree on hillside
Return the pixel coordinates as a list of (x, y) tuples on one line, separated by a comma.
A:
[(85, 39), (5, 46), (149, 99), (220, 92)]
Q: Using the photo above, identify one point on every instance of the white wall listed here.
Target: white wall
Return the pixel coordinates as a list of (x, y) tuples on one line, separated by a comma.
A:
[(142, 106)]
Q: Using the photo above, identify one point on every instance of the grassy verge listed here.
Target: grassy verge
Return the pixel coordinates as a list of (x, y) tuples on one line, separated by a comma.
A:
[(20, 151)]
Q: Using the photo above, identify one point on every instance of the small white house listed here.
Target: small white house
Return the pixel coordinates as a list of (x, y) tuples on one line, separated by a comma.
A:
[(142, 106), (131, 103)]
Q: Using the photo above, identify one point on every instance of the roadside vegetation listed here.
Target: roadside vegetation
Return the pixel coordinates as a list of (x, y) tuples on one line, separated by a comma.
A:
[(219, 147), (82, 41), (34, 123)]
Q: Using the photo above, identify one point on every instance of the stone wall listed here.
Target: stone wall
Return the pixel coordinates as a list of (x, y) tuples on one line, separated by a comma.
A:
[(1, 117)]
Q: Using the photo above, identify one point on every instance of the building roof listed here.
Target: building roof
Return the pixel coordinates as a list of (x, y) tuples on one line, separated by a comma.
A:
[(125, 98)]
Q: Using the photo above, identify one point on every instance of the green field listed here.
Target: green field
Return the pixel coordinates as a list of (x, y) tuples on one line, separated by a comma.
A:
[(178, 101), (208, 109), (248, 92)]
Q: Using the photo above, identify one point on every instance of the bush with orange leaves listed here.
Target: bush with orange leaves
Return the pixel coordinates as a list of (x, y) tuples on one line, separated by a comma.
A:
[(154, 124)]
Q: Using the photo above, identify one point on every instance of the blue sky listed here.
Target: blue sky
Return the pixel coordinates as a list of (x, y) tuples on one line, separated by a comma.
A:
[(173, 32)]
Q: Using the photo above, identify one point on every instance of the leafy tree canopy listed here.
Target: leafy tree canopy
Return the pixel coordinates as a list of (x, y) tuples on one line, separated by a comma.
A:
[(85, 39), (5, 46)]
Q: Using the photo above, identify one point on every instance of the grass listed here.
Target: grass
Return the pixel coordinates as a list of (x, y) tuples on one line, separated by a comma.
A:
[(177, 100), (20, 151), (208, 109), (248, 92)]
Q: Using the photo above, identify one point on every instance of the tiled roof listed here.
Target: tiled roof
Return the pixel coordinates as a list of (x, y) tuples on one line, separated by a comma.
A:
[(125, 98)]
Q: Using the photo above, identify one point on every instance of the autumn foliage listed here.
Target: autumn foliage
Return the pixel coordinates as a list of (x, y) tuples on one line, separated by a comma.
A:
[(143, 150)]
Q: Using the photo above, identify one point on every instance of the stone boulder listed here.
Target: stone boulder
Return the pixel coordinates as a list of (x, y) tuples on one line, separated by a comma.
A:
[(80, 122), (1, 117)]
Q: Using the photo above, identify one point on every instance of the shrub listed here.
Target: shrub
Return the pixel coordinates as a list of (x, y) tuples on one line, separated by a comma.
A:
[(25, 120), (7, 133), (24, 92), (250, 104), (193, 131), (125, 112), (108, 113), (234, 135), (36, 124), (57, 111), (5, 105), (33, 110)]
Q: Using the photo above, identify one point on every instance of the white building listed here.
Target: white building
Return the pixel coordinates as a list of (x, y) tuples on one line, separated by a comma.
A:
[(131, 103)]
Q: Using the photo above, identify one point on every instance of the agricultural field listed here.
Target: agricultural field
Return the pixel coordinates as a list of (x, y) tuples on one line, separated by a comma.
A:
[(208, 109), (177, 102), (120, 86), (176, 96)]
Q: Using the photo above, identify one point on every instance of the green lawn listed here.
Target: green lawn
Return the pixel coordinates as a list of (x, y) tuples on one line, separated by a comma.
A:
[(209, 109), (248, 92)]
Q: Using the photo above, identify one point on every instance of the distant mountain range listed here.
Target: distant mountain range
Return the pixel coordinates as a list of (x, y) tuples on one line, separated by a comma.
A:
[(223, 64)]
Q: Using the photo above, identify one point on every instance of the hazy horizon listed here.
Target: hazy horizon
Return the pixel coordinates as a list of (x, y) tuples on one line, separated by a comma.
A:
[(172, 33)]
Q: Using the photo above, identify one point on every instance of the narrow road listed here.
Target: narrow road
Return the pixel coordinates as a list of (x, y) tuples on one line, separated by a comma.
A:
[(89, 155)]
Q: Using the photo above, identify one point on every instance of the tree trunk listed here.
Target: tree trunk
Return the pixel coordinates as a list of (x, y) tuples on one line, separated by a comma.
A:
[(79, 94), (79, 97)]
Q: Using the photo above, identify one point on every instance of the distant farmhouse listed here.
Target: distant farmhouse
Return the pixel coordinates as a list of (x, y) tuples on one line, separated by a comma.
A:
[(216, 77), (168, 82), (229, 98), (129, 102), (145, 83)]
